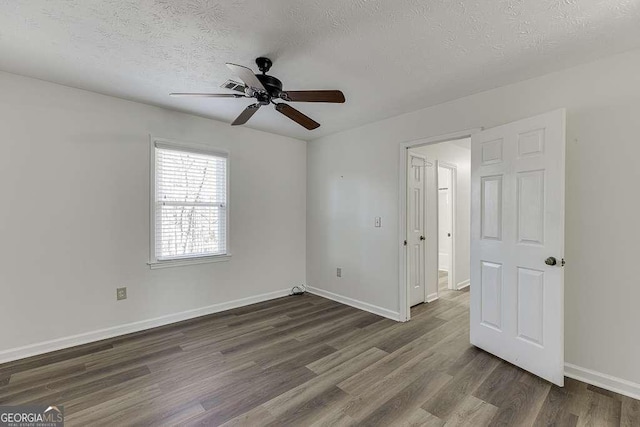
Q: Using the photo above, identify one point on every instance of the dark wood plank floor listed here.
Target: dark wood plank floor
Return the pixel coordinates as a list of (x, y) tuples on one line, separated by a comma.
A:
[(305, 361)]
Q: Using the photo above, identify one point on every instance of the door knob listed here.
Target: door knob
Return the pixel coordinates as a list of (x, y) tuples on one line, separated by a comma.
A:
[(421, 237), (550, 261)]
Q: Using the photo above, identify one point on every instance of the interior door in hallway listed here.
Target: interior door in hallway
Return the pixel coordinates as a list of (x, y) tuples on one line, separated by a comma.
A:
[(445, 218), (517, 243), (416, 227)]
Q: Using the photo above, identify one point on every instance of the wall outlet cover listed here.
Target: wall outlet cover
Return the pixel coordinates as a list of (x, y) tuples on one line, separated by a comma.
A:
[(339, 272), (121, 293)]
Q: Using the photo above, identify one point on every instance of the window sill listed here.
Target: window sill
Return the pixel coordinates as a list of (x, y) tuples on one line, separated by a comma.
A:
[(188, 261)]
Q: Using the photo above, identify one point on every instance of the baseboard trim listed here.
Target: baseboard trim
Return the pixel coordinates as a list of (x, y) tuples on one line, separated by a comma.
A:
[(355, 303), (598, 379), (463, 284), (432, 297), (101, 334)]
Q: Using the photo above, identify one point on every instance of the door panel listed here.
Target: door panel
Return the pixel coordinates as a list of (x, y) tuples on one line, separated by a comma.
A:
[(530, 207), (491, 288), (531, 305), (517, 215), (491, 152), (416, 220), (491, 207)]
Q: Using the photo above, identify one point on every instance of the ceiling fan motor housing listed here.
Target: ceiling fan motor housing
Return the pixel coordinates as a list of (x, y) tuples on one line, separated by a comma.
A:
[(271, 84)]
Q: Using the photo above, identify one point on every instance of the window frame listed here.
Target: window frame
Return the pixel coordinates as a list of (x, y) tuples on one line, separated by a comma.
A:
[(154, 143)]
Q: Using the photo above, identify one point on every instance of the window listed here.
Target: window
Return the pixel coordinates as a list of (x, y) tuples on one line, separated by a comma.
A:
[(189, 204)]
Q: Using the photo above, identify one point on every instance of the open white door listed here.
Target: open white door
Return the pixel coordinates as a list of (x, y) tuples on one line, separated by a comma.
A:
[(517, 243)]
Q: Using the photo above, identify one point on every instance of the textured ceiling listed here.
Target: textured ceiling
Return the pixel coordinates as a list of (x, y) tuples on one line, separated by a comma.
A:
[(389, 57)]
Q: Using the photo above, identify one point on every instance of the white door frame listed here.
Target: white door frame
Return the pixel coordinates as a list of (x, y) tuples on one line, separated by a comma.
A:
[(451, 283), (403, 148)]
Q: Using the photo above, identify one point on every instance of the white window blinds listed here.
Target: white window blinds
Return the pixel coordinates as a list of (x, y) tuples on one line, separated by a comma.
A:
[(190, 203)]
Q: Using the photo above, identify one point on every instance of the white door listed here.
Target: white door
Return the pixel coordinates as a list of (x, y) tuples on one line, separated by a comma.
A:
[(445, 218), (431, 230), (517, 222), (415, 227)]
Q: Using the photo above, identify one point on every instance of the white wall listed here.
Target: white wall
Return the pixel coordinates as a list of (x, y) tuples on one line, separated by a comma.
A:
[(74, 213), (353, 177), (461, 157)]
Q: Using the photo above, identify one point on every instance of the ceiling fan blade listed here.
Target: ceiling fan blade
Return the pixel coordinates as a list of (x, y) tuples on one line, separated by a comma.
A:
[(246, 75), (335, 96), (208, 95), (246, 115), (297, 116)]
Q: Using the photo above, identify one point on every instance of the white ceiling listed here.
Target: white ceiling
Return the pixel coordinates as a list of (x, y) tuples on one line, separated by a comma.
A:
[(388, 57)]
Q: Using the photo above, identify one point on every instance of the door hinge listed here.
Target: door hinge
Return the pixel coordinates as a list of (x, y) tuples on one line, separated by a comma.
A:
[(562, 262)]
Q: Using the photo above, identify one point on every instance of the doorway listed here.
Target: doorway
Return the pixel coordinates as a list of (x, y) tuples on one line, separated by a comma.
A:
[(437, 255), (446, 224)]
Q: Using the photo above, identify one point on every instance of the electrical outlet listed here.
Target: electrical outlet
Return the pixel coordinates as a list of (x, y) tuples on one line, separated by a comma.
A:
[(121, 293), (378, 222), (339, 272)]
